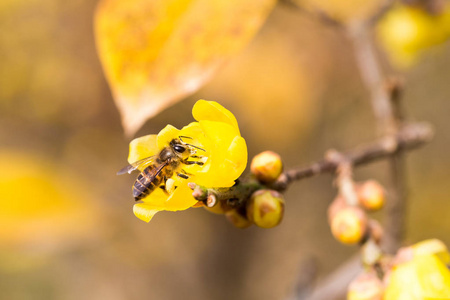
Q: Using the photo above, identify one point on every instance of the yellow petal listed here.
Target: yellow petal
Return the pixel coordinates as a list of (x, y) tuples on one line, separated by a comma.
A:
[(144, 211), (227, 155), (142, 147), (181, 199), (433, 275), (157, 201), (236, 159), (213, 111), (425, 276), (196, 138), (157, 198), (403, 284), (167, 134), (433, 246)]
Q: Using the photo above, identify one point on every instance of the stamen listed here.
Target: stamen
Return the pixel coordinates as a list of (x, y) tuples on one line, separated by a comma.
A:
[(170, 185)]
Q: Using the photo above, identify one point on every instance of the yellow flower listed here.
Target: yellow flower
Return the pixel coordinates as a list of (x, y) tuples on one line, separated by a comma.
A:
[(225, 157), (420, 274)]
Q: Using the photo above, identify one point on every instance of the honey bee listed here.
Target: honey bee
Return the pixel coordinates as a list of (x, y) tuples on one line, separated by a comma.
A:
[(158, 168)]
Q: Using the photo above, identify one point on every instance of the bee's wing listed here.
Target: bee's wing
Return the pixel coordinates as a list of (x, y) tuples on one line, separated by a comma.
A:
[(136, 165)]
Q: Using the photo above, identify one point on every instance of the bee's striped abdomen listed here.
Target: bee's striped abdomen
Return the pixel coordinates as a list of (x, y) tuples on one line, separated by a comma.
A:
[(150, 178)]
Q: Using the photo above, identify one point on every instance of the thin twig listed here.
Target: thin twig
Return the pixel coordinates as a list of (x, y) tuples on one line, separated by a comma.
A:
[(386, 106)]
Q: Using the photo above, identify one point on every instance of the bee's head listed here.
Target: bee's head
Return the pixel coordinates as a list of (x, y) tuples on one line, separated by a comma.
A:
[(180, 149)]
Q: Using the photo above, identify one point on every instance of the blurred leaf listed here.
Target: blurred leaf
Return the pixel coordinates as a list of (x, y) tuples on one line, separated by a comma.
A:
[(156, 52), (40, 203)]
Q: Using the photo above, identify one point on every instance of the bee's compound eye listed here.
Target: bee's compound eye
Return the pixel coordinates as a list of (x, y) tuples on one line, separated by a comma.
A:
[(179, 148)]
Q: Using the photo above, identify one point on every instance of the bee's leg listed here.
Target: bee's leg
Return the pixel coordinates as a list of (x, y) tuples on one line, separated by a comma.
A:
[(193, 163), (184, 176), (196, 156)]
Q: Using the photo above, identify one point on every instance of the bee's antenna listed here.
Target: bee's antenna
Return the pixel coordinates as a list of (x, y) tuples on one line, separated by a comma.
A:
[(196, 147), (188, 137)]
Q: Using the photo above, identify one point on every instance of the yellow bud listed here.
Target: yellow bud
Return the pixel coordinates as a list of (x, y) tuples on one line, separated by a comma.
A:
[(349, 225), (371, 195), (266, 208), (237, 219), (367, 286), (266, 166), (335, 206)]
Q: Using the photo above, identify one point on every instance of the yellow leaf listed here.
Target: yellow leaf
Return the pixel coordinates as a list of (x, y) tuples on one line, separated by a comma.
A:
[(40, 202), (156, 52)]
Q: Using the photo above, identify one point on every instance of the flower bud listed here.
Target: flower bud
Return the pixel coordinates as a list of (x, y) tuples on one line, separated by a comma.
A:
[(367, 286), (265, 208), (349, 225), (371, 195), (237, 219), (266, 166), (335, 206)]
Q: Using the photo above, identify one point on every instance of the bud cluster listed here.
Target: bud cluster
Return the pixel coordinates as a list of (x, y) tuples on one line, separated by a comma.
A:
[(349, 223), (265, 209)]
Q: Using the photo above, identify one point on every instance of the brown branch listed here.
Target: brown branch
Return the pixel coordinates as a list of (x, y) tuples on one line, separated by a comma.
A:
[(385, 100), (409, 137), (372, 76)]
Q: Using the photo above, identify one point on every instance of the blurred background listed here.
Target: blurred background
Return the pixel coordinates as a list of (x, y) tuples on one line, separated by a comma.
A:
[(67, 230)]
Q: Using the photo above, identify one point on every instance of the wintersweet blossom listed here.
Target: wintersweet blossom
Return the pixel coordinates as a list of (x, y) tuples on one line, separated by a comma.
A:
[(224, 154), (420, 273)]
